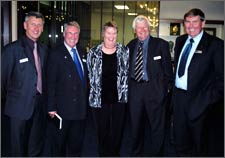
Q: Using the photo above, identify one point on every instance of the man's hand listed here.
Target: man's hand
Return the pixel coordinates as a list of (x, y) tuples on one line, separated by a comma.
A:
[(52, 114)]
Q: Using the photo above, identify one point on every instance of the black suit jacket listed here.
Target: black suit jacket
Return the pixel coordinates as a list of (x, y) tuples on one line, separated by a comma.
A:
[(19, 78), (205, 73), (66, 93), (159, 67)]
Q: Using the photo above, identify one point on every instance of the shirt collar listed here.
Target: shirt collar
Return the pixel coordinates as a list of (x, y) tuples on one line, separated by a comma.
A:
[(30, 42), (68, 47), (196, 38)]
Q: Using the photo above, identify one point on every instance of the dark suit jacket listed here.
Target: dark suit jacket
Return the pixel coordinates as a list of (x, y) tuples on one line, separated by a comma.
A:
[(159, 67), (66, 93), (205, 73), (19, 78)]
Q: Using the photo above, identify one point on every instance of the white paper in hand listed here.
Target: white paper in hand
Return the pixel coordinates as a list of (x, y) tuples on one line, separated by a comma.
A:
[(60, 120)]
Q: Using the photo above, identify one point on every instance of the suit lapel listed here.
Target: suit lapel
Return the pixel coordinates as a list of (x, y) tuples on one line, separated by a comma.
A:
[(200, 50), (67, 57), (28, 52), (203, 44), (83, 61), (181, 45)]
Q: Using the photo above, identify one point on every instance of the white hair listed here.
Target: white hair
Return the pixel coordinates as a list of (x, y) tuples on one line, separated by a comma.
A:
[(140, 18)]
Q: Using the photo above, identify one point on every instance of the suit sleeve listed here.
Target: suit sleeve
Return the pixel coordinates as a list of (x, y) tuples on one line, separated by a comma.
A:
[(51, 81), (7, 66), (218, 63), (167, 65)]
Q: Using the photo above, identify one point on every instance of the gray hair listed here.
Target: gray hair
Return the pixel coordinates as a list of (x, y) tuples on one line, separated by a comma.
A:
[(34, 14), (140, 18), (72, 23)]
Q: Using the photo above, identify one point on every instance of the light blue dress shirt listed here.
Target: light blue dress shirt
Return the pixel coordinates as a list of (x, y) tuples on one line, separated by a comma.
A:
[(181, 82)]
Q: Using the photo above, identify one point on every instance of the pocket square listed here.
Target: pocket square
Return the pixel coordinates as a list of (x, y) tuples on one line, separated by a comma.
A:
[(198, 51), (23, 60), (157, 57)]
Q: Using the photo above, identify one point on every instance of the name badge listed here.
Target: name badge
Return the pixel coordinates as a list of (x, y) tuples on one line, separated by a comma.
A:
[(23, 60), (198, 51), (157, 57)]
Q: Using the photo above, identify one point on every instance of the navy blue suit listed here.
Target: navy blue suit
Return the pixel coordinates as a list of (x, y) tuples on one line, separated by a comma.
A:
[(148, 99), (68, 96), (22, 105), (205, 87)]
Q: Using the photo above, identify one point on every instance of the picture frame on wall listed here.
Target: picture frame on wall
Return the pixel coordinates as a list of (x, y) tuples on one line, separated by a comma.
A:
[(211, 31), (174, 29)]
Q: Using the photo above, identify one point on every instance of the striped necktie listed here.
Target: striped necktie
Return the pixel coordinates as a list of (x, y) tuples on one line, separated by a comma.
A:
[(138, 71)]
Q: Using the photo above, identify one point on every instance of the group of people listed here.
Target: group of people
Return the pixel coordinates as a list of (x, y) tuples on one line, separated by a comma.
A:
[(39, 85)]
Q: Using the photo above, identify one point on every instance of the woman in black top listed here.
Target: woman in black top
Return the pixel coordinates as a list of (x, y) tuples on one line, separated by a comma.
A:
[(108, 74)]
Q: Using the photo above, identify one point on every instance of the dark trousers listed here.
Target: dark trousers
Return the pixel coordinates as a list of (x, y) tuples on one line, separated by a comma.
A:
[(67, 141), (26, 137), (143, 106), (190, 135), (109, 121)]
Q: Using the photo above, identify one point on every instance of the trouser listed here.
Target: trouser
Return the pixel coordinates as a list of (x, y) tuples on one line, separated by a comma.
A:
[(67, 141), (109, 121), (189, 134), (143, 105), (27, 136)]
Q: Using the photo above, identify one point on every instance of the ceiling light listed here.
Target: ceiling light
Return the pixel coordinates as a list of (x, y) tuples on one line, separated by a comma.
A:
[(132, 13), (121, 7)]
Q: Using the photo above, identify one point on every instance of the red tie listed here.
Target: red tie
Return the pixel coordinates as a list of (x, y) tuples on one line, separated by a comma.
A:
[(38, 68)]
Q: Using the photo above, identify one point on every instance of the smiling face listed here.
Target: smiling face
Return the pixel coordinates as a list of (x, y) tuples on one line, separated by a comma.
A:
[(34, 27), (71, 35), (142, 30), (110, 36), (193, 25)]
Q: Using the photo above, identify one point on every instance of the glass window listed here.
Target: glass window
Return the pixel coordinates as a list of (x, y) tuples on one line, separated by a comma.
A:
[(91, 15)]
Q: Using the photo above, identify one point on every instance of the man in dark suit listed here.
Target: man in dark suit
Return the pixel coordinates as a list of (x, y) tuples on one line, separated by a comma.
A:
[(67, 93), (198, 84), (23, 89), (149, 89)]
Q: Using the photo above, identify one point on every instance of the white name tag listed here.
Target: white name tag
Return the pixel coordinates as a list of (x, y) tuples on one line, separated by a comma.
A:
[(198, 51), (157, 57), (23, 60)]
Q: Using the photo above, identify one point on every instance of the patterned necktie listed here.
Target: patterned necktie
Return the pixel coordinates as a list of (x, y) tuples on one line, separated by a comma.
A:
[(78, 65), (38, 68), (138, 71), (184, 57)]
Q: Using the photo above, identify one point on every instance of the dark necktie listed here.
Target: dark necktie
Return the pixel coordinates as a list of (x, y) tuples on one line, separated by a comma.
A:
[(184, 57), (38, 68), (138, 71), (78, 65)]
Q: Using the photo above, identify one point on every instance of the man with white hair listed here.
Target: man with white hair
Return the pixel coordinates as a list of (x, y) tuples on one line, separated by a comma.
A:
[(150, 82)]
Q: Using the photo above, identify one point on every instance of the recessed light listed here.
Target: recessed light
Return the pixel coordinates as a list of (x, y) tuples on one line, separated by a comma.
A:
[(132, 13), (121, 7)]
